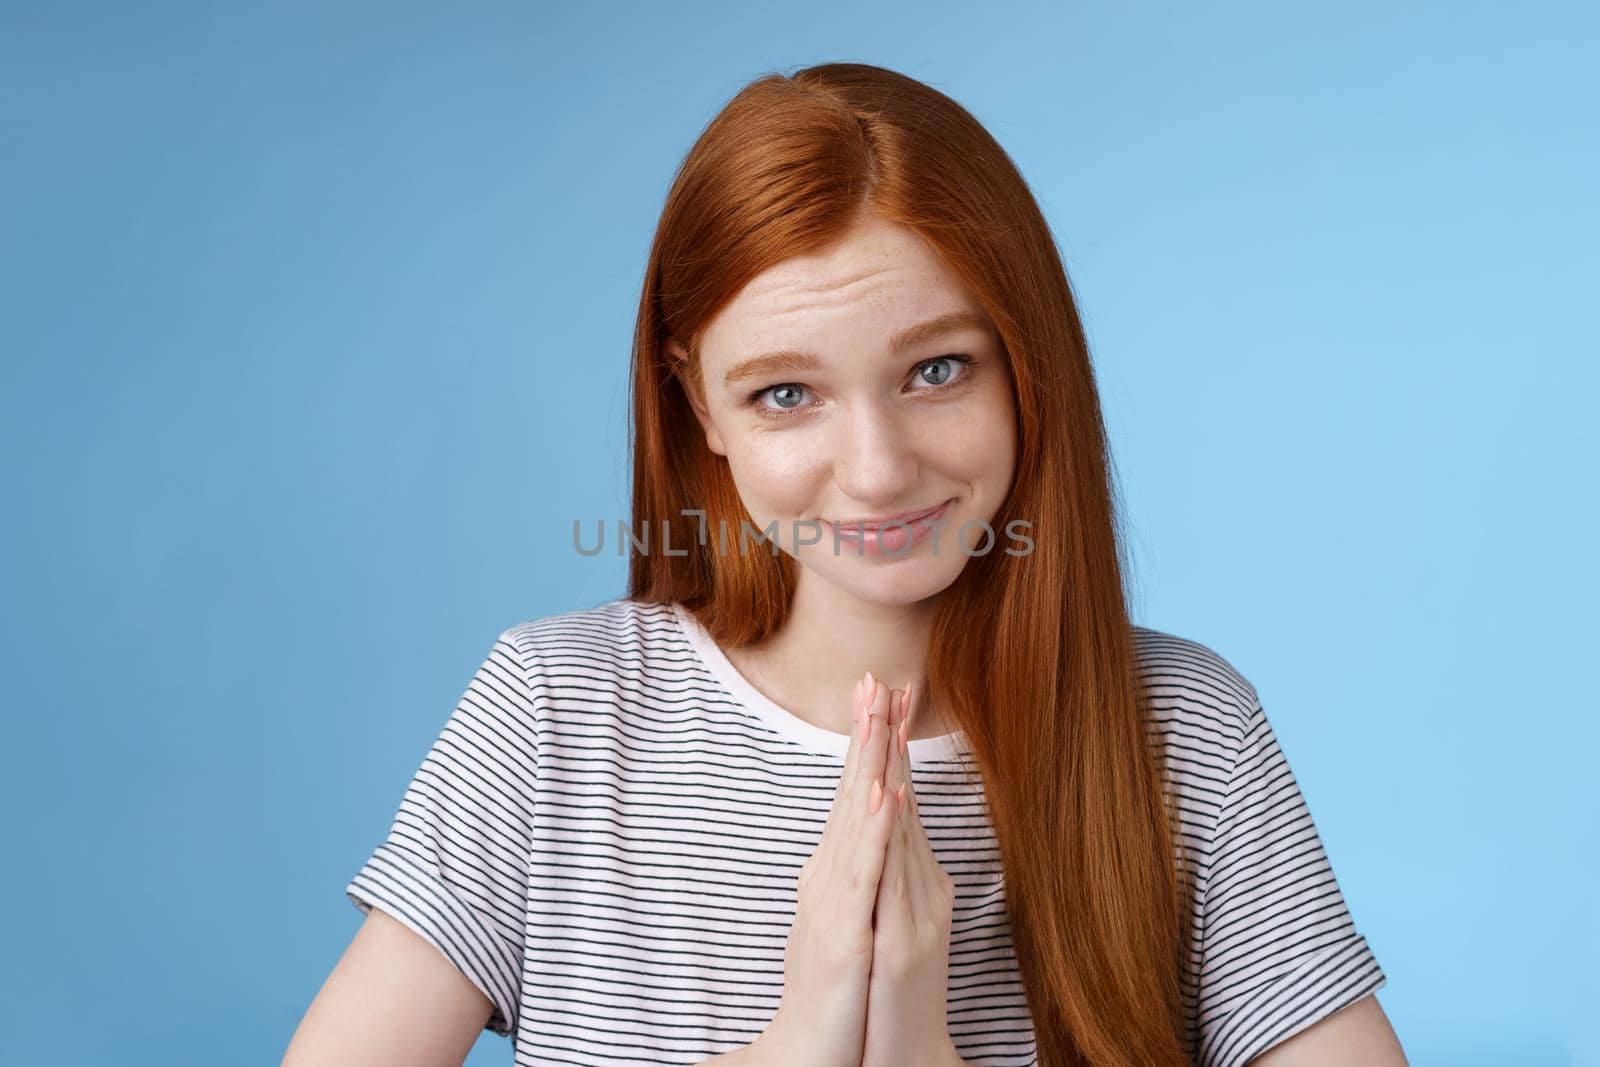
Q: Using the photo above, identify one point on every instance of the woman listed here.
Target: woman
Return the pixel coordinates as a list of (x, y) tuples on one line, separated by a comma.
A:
[(672, 827)]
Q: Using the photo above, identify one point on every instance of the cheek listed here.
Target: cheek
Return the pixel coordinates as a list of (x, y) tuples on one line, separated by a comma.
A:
[(775, 472), (975, 442)]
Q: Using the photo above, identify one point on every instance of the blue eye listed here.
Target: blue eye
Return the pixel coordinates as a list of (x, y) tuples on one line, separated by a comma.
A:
[(778, 391), (787, 394), (788, 389), (944, 378)]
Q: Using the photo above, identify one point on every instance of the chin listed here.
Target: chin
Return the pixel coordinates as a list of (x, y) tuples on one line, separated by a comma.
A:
[(910, 580)]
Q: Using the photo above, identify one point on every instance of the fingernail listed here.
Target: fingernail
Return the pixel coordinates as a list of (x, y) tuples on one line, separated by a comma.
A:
[(877, 796), (872, 689), (900, 798)]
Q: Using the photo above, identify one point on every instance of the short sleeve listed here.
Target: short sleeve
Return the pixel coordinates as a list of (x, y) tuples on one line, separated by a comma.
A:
[(1279, 949), (454, 865)]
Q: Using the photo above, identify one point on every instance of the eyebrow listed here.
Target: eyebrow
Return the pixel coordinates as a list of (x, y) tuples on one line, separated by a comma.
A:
[(791, 360)]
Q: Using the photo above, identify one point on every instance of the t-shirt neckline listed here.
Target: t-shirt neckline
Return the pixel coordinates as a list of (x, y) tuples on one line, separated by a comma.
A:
[(944, 748)]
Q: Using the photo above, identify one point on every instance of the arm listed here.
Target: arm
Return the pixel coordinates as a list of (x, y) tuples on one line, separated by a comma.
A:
[(392, 999), (1358, 1034)]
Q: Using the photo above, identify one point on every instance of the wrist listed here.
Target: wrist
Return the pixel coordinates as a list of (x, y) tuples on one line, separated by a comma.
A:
[(942, 1054), (770, 1048)]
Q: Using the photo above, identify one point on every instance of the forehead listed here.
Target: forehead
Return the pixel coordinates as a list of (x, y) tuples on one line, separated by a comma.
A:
[(880, 277)]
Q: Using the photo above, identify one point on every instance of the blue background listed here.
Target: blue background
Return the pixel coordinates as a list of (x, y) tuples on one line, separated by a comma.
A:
[(315, 335)]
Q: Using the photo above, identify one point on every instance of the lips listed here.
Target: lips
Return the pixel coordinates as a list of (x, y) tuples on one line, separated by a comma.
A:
[(908, 517)]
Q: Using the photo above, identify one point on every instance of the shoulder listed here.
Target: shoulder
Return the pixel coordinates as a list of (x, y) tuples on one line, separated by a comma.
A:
[(600, 633), (621, 645), (604, 677), (1191, 687), (1201, 710)]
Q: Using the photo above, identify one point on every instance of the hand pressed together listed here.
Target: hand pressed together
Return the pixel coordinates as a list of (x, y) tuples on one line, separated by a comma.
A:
[(867, 960), (910, 926)]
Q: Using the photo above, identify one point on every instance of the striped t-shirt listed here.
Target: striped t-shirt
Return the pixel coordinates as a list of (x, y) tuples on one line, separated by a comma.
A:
[(607, 834)]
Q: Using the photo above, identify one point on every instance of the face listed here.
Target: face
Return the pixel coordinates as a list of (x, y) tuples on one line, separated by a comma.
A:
[(860, 418)]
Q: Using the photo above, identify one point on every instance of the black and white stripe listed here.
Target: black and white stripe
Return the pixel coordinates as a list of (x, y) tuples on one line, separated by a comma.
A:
[(607, 833)]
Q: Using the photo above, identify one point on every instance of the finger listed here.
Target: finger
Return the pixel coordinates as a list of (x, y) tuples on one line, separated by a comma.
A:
[(908, 717), (870, 842), (845, 791), (876, 815), (875, 746), (902, 789), (890, 916), (852, 756), (924, 862), (908, 711), (902, 735), (916, 890), (915, 830), (894, 769), (927, 863)]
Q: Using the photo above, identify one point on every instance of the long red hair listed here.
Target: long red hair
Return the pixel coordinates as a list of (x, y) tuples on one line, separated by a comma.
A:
[(1032, 656)]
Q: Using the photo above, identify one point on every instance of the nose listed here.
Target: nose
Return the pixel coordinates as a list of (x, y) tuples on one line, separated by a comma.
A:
[(875, 458)]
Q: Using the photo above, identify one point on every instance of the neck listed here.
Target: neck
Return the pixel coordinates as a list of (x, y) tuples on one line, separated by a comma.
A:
[(828, 642)]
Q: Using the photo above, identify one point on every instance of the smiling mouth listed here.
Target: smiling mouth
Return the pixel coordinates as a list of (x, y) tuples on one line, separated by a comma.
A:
[(846, 528)]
